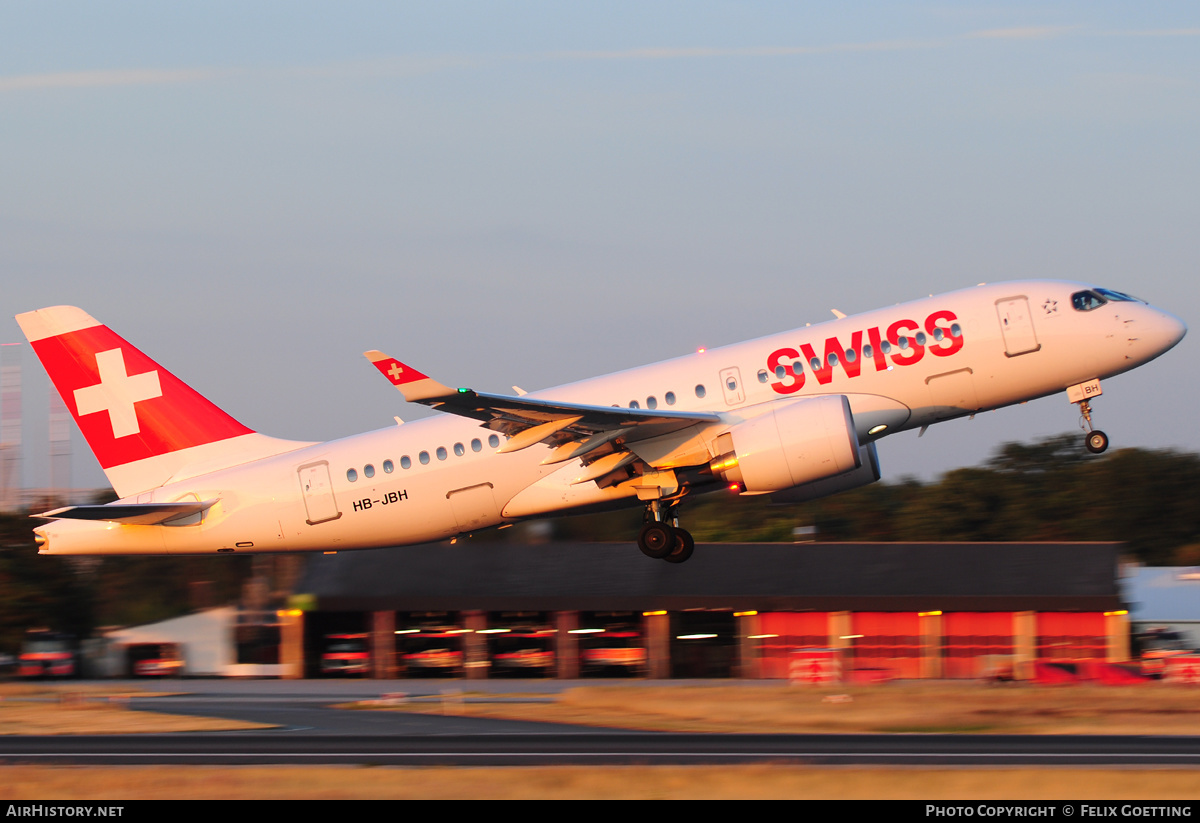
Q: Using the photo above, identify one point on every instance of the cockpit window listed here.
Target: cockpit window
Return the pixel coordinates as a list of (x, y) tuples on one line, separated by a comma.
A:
[(1087, 300), (1116, 296)]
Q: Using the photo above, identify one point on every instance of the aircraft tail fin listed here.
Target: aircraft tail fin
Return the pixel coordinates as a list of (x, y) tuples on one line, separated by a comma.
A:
[(145, 425)]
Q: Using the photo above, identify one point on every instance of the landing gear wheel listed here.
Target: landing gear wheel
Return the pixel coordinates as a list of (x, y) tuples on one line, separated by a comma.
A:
[(684, 546), (657, 540), (1096, 441)]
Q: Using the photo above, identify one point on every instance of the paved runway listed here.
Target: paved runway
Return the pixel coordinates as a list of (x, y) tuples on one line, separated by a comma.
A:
[(311, 732)]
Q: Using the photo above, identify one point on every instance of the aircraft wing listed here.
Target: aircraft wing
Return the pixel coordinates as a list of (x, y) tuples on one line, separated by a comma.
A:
[(574, 429)]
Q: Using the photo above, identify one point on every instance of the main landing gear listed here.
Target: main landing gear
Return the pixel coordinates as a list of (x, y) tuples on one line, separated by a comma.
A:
[(661, 537), (1095, 440)]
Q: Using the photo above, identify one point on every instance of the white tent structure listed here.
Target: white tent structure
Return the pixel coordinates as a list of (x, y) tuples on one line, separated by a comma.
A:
[(207, 642)]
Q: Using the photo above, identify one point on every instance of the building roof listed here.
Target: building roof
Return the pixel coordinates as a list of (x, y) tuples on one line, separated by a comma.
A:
[(771, 576)]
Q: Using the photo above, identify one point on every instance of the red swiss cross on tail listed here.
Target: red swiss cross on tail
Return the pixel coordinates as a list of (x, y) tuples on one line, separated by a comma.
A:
[(130, 409)]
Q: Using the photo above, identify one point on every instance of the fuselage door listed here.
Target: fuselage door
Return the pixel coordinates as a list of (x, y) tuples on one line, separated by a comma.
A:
[(1016, 324), (317, 488), (731, 384)]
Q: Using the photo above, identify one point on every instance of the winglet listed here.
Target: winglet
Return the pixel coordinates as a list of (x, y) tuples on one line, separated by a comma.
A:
[(416, 387)]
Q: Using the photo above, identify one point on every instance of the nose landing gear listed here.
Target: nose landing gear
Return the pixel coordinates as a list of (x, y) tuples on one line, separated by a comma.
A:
[(1095, 440)]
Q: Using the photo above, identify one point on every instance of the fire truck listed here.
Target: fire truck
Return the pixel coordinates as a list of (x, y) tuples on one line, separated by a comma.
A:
[(346, 655), (48, 654)]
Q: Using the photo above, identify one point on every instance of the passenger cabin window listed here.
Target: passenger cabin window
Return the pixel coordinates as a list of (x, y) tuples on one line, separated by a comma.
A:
[(476, 445), (493, 441), (700, 392), (351, 475), (369, 470), (670, 398), (652, 402), (763, 377), (406, 462), (388, 466)]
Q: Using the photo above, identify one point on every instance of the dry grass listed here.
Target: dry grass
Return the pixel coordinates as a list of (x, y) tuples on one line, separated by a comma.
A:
[(897, 707), (570, 782), (33, 708)]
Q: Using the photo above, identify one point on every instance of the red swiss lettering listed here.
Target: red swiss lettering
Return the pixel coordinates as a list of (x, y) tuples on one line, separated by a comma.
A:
[(949, 343), (901, 329), (938, 326), (791, 381)]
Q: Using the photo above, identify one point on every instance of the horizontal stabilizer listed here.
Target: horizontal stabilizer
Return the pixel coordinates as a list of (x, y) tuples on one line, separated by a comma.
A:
[(131, 514)]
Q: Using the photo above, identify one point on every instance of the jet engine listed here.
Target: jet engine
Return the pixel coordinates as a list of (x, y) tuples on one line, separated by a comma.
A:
[(796, 443), (864, 475)]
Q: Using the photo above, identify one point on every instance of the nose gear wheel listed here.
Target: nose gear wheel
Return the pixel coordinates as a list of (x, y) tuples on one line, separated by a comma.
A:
[(1095, 440)]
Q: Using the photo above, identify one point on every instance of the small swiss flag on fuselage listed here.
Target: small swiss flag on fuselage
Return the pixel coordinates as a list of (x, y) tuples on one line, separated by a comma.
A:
[(127, 406)]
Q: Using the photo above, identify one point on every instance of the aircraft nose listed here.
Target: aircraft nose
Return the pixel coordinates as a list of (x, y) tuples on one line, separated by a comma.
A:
[(1166, 330), (1172, 328)]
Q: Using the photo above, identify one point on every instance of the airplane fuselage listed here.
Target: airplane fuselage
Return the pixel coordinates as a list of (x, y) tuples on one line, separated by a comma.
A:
[(902, 367)]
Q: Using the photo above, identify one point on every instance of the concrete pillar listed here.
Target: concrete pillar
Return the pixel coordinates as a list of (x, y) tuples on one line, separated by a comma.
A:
[(749, 663), (566, 645), (840, 626), (291, 643), (930, 626), (383, 645), (656, 627), (1024, 644), (475, 651), (1116, 626)]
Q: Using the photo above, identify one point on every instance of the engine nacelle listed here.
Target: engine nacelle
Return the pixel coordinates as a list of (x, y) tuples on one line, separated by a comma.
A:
[(796, 443), (864, 475)]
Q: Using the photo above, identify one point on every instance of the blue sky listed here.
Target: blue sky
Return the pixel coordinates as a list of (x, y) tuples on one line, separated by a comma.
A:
[(530, 193)]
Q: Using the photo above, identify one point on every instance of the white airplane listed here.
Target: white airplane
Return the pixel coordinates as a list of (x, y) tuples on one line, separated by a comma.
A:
[(796, 414)]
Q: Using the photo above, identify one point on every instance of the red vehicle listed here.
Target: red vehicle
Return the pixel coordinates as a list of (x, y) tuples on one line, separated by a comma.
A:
[(613, 651), (46, 654), (433, 652), (154, 659), (346, 654), (1156, 645), (524, 656)]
